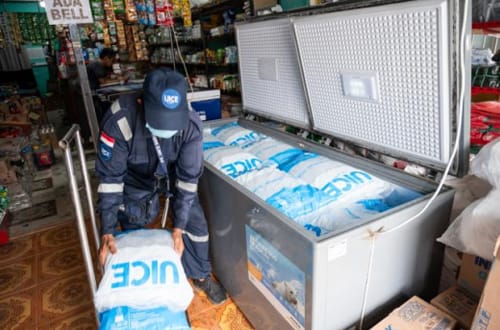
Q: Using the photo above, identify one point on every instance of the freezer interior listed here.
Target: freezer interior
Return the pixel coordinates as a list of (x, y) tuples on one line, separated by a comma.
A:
[(316, 192)]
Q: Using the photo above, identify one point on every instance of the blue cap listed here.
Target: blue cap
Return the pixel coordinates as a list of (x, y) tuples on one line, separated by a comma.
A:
[(165, 102)]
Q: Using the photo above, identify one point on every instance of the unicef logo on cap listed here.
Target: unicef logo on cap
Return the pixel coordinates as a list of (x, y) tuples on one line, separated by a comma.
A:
[(170, 98)]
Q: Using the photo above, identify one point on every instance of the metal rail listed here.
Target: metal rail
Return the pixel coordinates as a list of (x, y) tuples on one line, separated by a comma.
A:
[(73, 134)]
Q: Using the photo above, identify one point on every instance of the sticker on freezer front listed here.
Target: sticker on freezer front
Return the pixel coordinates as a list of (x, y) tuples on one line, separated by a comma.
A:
[(280, 281), (337, 250)]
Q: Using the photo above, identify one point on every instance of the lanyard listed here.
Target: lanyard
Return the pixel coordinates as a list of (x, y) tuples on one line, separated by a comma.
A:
[(163, 167), (161, 159)]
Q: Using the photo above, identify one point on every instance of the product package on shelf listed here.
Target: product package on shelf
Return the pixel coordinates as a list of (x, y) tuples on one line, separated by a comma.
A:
[(143, 10), (150, 10), (164, 13), (132, 36), (119, 9), (108, 10), (130, 11), (97, 10), (182, 8), (120, 32)]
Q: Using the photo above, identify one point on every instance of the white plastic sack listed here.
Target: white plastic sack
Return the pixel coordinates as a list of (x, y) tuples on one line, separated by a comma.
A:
[(337, 216), (274, 151), (210, 141), (145, 273), (232, 161), (477, 228), (341, 181), (234, 135), (486, 164), (291, 196)]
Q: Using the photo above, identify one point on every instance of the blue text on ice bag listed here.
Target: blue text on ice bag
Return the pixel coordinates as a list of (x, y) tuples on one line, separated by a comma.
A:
[(152, 273), (240, 167), (344, 183)]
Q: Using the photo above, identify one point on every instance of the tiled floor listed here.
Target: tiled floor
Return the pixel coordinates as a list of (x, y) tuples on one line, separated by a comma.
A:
[(43, 285), (43, 282)]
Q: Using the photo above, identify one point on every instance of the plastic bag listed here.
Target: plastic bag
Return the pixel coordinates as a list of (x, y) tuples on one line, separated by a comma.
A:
[(477, 228), (486, 164), (145, 273), (235, 135), (274, 151), (232, 161)]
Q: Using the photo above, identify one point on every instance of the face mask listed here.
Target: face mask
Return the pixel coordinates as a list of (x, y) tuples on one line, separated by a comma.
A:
[(161, 133)]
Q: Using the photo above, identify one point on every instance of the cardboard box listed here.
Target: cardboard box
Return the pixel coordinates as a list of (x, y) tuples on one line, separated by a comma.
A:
[(263, 4), (473, 273), (416, 314), (488, 313), (457, 303)]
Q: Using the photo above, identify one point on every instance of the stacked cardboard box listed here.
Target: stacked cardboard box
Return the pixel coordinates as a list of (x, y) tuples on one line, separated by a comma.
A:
[(487, 315), (416, 314)]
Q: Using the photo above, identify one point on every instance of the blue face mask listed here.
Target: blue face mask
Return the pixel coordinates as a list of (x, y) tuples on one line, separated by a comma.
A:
[(161, 133)]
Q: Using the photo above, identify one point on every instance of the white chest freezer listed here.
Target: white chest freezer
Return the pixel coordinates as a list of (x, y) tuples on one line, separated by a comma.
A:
[(386, 78)]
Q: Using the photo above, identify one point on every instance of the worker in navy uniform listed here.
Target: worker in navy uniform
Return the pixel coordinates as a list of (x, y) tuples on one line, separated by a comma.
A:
[(150, 145)]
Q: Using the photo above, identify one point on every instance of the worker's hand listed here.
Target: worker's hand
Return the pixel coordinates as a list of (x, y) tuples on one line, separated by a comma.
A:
[(178, 242), (108, 244)]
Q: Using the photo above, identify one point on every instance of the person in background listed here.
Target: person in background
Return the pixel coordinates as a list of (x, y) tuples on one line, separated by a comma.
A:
[(101, 71), (151, 145)]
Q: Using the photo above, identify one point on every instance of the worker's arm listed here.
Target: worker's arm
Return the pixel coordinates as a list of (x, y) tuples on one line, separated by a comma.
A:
[(111, 167)]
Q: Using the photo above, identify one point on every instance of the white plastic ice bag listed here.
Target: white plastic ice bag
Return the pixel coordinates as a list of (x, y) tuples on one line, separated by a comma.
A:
[(235, 135), (144, 273), (232, 161)]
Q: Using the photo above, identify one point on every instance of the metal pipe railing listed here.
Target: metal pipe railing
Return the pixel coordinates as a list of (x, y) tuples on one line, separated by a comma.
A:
[(73, 134)]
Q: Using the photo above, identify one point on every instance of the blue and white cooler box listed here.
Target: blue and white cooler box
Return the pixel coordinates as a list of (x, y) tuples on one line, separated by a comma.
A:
[(206, 103), (144, 285)]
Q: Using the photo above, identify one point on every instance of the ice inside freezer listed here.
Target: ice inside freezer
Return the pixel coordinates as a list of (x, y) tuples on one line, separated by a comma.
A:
[(319, 193)]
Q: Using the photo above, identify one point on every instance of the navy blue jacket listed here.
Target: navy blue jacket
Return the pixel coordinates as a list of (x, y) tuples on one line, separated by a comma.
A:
[(128, 167)]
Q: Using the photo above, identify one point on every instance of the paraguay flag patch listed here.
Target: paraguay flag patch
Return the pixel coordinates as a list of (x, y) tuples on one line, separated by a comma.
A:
[(106, 144)]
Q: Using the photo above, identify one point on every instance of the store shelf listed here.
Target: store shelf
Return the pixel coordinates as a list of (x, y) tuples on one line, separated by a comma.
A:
[(486, 25), (215, 7), (485, 90), (229, 35)]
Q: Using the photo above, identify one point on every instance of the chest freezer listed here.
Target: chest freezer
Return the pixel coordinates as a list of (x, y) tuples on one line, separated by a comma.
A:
[(383, 78)]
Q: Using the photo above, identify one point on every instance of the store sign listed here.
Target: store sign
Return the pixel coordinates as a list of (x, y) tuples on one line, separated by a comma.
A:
[(68, 11)]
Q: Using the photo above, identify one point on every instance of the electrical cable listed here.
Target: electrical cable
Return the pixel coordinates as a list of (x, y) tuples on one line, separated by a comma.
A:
[(373, 234), (169, 16)]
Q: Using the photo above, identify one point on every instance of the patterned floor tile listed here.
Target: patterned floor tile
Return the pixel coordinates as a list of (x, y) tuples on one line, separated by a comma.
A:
[(62, 298), (199, 305), (17, 275), (18, 311), (224, 317), (18, 248), (62, 262), (84, 320), (59, 236)]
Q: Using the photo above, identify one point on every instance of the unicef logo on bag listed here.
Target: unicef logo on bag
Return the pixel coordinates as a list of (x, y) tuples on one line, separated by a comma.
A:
[(170, 99)]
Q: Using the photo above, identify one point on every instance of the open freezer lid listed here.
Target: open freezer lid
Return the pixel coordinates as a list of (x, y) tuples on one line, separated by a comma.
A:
[(270, 76), (381, 77)]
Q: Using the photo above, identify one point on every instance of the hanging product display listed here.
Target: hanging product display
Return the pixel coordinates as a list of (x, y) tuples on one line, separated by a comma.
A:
[(131, 11), (119, 9), (164, 13), (34, 28), (108, 10), (97, 10)]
